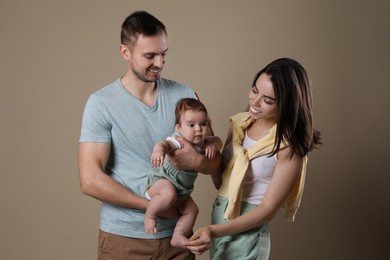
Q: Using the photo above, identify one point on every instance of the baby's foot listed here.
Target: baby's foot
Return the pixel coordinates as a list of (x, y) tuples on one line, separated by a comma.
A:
[(150, 225), (178, 240)]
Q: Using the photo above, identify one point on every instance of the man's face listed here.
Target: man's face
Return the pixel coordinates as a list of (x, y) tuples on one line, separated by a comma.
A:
[(148, 57)]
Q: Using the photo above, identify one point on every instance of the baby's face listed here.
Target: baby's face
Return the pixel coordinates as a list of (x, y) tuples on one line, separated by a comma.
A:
[(193, 126)]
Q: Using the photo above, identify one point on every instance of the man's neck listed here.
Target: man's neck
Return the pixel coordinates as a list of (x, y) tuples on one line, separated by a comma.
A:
[(144, 91)]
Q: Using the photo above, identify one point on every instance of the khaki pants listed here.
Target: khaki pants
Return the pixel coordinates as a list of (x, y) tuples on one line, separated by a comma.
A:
[(114, 247)]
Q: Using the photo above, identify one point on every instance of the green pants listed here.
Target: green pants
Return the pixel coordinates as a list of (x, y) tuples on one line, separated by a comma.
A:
[(252, 244)]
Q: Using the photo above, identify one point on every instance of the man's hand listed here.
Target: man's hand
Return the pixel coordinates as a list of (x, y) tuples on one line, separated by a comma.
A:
[(187, 158)]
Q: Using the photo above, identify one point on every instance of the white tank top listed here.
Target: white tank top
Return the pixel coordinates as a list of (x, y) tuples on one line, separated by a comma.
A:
[(258, 176)]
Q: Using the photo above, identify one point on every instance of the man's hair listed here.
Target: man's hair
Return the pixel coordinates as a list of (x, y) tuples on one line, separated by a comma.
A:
[(140, 22)]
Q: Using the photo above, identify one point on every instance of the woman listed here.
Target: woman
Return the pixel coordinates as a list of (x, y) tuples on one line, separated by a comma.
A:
[(264, 164)]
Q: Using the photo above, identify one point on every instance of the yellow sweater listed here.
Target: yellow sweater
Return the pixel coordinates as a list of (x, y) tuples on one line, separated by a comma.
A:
[(238, 165)]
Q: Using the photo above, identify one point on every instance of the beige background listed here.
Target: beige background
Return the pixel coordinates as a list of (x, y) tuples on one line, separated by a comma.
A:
[(55, 53)]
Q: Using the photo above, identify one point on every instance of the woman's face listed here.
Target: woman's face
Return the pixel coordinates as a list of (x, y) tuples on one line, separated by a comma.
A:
[(262, 102)]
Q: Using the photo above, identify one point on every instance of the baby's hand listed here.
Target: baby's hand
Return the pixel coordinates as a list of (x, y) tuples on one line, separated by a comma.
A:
[(157, 158), (209, 151)]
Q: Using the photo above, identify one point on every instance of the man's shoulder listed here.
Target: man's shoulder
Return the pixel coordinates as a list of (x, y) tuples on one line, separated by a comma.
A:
[(164, 82), (174, 89), (108, 89), (108, 92)]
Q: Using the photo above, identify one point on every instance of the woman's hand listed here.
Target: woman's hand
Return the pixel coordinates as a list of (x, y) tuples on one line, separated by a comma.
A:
[(200, 241)]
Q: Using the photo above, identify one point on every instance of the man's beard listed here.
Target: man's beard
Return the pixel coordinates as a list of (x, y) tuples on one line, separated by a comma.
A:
[(142, 77)]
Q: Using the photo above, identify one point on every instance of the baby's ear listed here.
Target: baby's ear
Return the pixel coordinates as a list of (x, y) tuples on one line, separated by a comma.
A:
[(177, 127), (210, 128)]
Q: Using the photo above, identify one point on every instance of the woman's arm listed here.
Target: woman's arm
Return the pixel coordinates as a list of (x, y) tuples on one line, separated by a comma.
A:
[(286, 172), (216, 176)]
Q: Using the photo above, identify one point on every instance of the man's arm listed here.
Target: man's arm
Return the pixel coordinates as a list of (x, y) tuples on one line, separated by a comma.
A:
[(96, 183), (187, 158)]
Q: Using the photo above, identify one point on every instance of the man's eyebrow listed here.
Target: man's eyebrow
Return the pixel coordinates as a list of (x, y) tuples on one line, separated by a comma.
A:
[(155, 53)]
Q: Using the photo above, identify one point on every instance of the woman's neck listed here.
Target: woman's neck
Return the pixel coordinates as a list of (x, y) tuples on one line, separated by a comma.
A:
[(259, 128)]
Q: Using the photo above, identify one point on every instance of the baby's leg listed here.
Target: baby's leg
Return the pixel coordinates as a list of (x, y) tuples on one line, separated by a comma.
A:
[(188, 213), (163, 196)]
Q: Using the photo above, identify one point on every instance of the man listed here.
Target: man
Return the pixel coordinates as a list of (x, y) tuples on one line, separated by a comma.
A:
[(121, 123)]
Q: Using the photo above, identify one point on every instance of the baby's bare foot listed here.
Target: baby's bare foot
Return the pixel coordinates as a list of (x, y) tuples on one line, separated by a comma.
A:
[(178, 240), (150, 225)]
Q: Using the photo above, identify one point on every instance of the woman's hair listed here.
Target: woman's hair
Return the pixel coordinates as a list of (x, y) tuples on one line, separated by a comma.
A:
[(294, 106), (140, 22), (186, 104)]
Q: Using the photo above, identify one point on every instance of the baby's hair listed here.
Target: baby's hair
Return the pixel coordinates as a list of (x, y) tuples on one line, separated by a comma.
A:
[(186, 104)]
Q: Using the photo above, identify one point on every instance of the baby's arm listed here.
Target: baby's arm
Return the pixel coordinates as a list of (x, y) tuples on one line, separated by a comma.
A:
[(160, 150), (211, 146)]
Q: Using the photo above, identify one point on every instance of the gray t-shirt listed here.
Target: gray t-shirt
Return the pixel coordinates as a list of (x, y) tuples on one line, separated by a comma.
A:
[(113, 115)]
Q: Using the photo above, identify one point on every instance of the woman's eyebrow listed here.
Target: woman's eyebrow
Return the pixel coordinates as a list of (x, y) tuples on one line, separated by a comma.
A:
[(270, 97)]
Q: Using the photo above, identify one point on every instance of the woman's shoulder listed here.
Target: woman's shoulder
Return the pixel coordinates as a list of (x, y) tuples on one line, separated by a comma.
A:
[(285, 154), (240, 117)]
